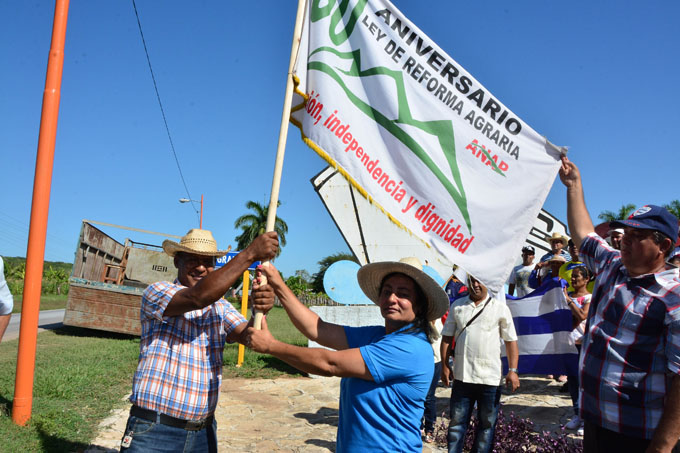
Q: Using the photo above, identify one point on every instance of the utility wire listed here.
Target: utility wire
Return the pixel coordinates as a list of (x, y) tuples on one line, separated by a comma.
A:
[(160, 104)]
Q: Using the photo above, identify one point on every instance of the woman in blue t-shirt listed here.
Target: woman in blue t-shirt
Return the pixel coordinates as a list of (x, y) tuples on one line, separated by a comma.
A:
[(386, 370)]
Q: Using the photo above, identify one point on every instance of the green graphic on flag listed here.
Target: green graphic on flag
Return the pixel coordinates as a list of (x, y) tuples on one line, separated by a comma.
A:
[(441, 129)]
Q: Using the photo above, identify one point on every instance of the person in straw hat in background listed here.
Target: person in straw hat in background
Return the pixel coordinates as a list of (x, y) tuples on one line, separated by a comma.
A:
[(558, 243), (543, 268), (386, 370), (551, 270), (185, 324)]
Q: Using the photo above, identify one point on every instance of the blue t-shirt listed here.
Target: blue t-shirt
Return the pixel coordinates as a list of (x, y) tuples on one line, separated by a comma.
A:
[(384, 414)]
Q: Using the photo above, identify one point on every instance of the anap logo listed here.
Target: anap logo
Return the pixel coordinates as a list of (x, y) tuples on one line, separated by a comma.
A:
[(640, 211)]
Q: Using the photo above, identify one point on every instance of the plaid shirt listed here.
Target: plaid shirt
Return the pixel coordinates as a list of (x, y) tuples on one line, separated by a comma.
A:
[(631, 347), (180, 357)]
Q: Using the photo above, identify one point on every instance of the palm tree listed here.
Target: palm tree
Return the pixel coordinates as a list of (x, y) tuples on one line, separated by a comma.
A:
[(324, 264), (252, 225), (624, 210), (674, 208)]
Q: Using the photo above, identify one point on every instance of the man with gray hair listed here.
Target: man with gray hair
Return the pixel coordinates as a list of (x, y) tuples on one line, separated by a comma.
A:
[(472, 334)]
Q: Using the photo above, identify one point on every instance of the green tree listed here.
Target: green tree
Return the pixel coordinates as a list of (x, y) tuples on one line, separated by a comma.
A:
[(55, 281), (15, 271), (297, 284), (300, 283), (324, 264), (674, 208), (254, 224), (624, 211)]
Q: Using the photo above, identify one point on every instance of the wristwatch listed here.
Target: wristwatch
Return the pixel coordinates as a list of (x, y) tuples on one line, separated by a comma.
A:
[(513, 370)]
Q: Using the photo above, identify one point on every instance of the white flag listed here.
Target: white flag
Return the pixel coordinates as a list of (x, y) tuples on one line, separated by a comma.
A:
[(419, 136)]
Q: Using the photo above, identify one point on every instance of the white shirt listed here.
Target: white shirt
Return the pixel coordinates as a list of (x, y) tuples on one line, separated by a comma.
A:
[(436, 344), (6, 300), (520, 278), (477, 354)]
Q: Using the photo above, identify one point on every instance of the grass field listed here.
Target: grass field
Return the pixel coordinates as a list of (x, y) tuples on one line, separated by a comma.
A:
[(47, 302), (82, 374)]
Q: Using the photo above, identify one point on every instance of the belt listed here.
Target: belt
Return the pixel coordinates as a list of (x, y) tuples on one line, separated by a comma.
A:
[(163, 419)]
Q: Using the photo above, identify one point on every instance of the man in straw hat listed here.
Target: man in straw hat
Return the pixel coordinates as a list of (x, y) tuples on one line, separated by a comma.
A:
[(558, 243), (630, 354), (474, 329), (551, 269), (386, 370), (185, 324)]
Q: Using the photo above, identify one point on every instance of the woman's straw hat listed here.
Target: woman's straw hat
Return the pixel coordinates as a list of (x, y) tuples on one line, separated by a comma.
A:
[(196, 242), (371, 276)]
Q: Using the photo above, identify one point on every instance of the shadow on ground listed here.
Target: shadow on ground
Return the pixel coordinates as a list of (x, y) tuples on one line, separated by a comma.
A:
[(330, 446), (92, 333), (54, 444), (324, 415)]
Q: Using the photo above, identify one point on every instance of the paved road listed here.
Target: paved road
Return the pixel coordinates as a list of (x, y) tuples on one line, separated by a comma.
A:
[(47, 320)]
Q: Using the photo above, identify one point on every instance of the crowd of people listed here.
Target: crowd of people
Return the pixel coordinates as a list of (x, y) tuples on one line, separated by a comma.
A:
[(626, 395)]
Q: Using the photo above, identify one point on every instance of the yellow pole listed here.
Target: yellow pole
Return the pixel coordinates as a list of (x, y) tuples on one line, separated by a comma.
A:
[(244, 312), (35, 253)]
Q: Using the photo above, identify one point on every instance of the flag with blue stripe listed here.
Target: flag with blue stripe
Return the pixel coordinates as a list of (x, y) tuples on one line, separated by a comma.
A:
[(543, 322)]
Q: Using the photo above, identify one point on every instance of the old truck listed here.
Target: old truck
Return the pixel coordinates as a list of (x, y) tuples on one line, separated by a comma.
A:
[(108, 278)]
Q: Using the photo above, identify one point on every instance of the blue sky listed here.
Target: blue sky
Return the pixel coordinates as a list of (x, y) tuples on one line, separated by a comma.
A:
[(599, 77)]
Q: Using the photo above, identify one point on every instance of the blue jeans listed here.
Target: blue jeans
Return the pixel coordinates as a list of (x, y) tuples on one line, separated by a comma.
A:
[(463, 398), (431, 400), (153, 437), (572, 385)]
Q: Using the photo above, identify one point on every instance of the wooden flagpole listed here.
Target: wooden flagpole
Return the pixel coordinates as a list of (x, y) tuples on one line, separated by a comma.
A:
[(35, 253), (283, 135)]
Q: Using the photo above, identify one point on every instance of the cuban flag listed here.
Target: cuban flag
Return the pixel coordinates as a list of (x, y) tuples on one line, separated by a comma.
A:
[(543, 322)]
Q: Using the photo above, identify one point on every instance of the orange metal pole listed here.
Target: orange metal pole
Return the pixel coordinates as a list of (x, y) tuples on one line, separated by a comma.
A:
[(200, 223), (35, 254)]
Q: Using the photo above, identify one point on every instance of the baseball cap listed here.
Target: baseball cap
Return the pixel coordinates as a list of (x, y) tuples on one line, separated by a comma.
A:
[(529, 250), (651, 217)]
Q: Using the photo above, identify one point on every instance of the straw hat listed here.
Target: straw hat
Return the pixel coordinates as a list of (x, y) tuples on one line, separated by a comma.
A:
[(557, 237), (558, 259), (371, 275), (196, 242)]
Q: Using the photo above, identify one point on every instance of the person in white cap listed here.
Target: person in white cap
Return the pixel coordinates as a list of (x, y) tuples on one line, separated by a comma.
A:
[(614, 237), (185, 325), (386, 370)]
